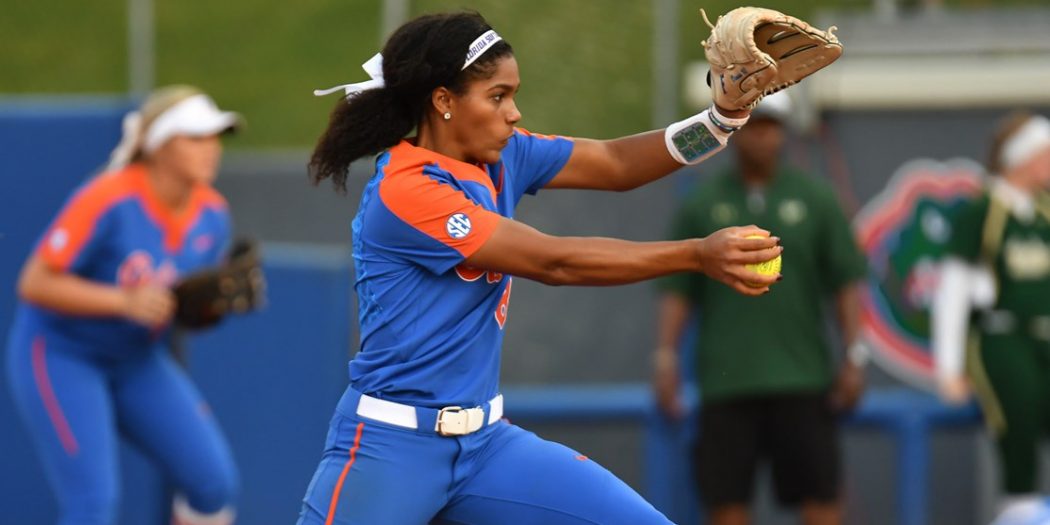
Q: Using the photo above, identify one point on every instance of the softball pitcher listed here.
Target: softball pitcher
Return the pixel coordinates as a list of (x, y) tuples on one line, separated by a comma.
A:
[(418, 437)]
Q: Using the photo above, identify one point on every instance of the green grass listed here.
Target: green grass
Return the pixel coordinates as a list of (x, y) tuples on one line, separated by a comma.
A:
[(262, 58), (585, 63), (80, 51)]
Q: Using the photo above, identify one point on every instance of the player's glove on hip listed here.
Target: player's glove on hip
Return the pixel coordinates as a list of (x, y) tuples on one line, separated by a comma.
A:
[(754, 52), (237, 286)]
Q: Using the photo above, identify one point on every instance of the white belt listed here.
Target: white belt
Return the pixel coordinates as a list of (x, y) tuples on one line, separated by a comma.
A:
[(449, 421)]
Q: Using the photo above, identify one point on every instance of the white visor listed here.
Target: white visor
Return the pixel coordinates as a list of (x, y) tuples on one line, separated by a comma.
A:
[(197, 116), (1027, 142)]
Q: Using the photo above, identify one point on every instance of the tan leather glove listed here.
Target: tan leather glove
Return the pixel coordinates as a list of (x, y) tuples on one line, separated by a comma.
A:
[(754, 52)]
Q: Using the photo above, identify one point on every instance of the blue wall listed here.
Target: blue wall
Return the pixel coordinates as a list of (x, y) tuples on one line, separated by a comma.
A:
[(273, 378)]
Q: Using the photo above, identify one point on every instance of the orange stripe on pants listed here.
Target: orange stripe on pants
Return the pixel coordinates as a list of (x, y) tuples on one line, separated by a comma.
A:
[(342, 476), (47, 394)]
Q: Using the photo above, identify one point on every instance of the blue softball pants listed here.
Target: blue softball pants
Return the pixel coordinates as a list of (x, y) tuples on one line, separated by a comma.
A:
[(76, 407), (374, 473)]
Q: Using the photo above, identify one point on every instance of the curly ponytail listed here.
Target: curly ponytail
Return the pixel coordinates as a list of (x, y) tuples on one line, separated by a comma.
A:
[(422, 55), (363, 126)]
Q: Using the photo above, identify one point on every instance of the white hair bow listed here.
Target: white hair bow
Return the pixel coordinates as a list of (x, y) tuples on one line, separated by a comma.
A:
[(374, 68)]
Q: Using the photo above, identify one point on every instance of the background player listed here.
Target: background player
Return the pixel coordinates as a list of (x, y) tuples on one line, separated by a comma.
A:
[(997, 275), (764, 367), (418, 437), (86, 354)]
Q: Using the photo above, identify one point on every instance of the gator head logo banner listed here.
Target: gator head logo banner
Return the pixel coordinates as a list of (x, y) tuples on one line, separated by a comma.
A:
[(903, 231)]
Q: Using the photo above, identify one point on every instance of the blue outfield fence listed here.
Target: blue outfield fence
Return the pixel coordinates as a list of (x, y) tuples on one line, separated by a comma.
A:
[(904, 415), (273, 378)]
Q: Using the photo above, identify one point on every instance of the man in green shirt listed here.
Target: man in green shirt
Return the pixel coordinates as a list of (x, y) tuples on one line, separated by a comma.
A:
[(765, 372)]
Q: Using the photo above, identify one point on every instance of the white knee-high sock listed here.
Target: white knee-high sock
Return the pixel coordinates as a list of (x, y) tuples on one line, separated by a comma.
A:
[(183, 514)]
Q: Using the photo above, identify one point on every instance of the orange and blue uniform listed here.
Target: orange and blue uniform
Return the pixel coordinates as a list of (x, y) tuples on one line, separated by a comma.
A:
[(431, 334), (77, 379)]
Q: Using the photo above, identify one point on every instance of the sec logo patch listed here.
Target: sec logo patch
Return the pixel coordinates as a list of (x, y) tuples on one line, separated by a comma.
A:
[(458, 226)]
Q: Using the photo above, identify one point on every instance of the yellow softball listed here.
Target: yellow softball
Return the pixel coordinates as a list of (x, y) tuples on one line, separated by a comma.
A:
[(770, 267)]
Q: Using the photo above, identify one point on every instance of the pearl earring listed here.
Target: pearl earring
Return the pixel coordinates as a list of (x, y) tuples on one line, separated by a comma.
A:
[(448, 115)]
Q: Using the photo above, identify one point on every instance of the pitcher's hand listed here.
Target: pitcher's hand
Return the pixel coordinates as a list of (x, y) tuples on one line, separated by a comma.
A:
[(725, 254)]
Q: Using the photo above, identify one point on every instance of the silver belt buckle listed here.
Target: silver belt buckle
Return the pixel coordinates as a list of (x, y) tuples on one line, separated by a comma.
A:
[(453, 421)]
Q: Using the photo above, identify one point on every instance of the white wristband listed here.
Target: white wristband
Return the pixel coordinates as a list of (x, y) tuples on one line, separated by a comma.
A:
[(693, 140)]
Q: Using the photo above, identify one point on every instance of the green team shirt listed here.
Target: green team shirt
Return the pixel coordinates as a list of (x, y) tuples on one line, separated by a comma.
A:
[(776, 342), (1018, 251)]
